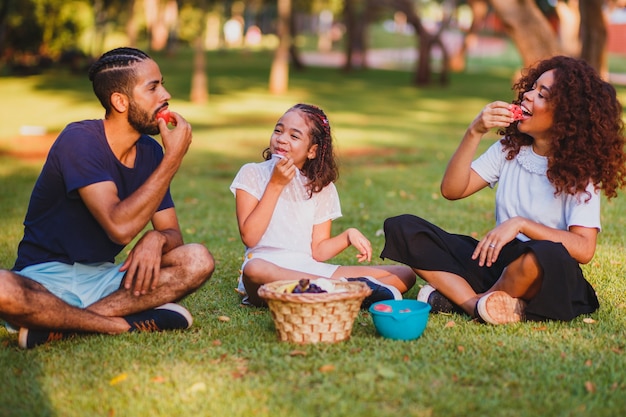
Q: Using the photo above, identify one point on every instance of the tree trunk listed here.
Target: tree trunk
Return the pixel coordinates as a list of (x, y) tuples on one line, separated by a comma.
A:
[(448, 6), (157, 31), (170, 19), (161, 22), (199, 92), (199, 81), (424, 41), (593, 34), (357, 20), (279, 73), (479, 13), (99, 27), (569, 26), (355, 34), (425, 45), (348, 19), (131, 26), (298, 65), (528, 28)]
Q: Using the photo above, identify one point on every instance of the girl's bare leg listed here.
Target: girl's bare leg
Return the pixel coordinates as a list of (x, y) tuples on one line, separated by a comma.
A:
[(258, 272)]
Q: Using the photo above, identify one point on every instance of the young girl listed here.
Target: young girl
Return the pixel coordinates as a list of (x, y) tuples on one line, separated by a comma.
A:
[(550, 168), (285, 207)]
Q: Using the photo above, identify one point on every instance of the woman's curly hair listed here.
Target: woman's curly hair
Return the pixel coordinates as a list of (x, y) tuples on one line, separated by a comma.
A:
[(321, 170), (587, 130)]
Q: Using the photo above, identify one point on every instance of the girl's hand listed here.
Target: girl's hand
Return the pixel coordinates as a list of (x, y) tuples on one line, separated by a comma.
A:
[(361, 243), (489, 247), (496, 114), (284, 171)]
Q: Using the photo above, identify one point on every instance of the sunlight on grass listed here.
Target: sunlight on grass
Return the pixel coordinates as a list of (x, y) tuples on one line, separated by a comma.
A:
[(29, 102), (393, 141)]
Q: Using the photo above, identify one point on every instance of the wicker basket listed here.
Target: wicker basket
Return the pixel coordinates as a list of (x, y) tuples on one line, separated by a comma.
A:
[(312, 318)]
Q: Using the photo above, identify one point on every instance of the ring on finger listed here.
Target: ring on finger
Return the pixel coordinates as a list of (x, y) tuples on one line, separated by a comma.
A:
[(491, 245)]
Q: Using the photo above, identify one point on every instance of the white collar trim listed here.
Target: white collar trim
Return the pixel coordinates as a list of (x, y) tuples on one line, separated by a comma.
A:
[(531, 162)]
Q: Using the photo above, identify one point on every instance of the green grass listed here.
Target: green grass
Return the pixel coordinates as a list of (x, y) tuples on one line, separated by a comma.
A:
[(393, 142)]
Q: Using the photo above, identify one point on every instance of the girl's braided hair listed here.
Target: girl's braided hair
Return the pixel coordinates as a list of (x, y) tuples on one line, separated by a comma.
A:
[(114, 72), (321, 170)]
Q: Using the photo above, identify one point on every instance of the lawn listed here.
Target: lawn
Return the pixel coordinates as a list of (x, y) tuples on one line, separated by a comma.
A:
[(393, 143)]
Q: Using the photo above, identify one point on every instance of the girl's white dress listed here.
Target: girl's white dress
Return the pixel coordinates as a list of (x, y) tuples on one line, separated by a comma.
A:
[(287, 240)]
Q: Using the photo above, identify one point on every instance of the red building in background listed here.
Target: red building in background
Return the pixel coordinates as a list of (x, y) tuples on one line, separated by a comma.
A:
[(617, 32)]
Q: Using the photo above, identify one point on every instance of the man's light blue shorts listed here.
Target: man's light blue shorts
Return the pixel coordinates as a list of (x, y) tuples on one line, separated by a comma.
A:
[(80, 284)]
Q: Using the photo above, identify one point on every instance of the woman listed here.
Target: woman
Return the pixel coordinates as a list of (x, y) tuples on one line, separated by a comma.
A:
[(550, 168)]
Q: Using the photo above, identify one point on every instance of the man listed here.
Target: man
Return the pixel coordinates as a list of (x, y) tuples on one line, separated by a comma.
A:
[(102, 183)]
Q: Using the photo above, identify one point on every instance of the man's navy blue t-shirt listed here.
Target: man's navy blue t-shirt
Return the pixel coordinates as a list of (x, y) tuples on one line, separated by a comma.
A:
[(58, 225)]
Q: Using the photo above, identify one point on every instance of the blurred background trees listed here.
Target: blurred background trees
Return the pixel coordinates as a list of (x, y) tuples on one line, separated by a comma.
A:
[(38, 34)]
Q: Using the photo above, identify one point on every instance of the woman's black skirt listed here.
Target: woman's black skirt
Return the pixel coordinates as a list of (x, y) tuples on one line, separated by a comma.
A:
[(564, 294)]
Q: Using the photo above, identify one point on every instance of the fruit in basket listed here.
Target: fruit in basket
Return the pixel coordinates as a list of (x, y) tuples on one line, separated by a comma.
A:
[(287, 288), (306, 286), (314, 288), (301, 287)]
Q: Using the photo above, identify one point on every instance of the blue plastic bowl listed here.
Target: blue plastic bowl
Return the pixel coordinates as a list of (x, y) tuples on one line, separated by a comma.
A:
[(400, 319)]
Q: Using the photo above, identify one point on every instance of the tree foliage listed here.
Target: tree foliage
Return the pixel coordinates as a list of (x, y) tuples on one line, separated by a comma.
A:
[(42, 26), (37, 31)]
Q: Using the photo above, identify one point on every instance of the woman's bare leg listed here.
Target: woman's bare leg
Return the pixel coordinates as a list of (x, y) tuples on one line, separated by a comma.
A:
[(520, 279), (399, 276), (453, 287)]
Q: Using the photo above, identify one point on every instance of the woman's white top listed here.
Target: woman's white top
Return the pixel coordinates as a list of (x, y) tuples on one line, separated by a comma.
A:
[(524, 190)]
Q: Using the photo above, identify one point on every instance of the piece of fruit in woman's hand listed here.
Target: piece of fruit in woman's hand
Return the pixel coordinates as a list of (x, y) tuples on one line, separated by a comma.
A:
[(518, 114), (166, 116)]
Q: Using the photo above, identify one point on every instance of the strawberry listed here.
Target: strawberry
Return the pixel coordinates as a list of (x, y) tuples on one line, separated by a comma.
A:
[(518, 114)]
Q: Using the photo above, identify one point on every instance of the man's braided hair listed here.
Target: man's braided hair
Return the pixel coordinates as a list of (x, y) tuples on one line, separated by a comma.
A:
[(114, 72)]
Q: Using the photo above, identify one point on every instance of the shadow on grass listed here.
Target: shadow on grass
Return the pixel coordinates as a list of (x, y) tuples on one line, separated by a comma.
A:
[(21, 394)]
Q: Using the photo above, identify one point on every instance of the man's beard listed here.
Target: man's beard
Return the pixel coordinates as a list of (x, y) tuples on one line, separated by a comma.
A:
[(141, 121)]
